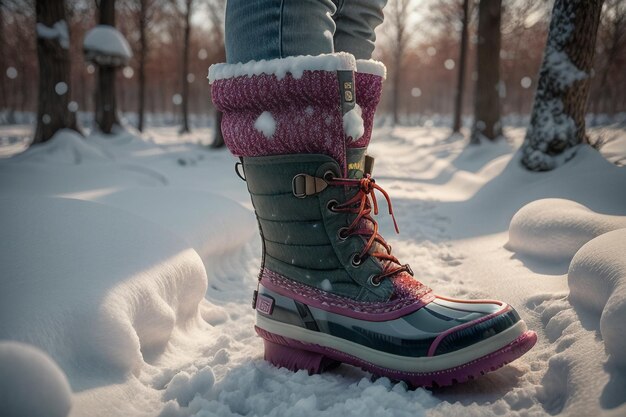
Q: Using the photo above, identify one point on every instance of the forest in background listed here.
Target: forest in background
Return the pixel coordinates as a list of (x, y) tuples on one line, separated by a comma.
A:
[(419, 42)]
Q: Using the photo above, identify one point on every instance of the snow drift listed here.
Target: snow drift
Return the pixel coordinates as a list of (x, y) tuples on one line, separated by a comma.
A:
[(66, 148), (27, 372), (102, 288), (597, 281), (563, 230), (555, 228)]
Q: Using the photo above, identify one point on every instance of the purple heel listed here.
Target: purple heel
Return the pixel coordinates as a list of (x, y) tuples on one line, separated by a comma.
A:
[(295, 359)]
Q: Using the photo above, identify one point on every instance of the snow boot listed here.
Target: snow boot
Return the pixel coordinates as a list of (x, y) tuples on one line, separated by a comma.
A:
[(330, 290)]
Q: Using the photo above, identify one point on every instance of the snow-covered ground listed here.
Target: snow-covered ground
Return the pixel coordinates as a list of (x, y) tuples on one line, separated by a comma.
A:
[(127, 266)]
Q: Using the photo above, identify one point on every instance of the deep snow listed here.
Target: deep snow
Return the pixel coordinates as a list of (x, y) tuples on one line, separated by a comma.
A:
[(131, 263)]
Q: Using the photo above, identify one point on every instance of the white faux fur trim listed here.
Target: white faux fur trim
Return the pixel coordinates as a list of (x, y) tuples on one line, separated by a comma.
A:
[(369, 66), (294, 65)]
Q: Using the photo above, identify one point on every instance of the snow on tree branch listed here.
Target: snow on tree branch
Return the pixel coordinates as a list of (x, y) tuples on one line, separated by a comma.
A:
[(58, 31)]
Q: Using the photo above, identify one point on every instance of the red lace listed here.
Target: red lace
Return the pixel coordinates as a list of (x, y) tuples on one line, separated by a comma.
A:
[(361, 206)]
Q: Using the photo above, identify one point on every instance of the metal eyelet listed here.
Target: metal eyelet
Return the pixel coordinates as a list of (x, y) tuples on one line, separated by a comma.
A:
[(373, 281), (357, 260), (329, 175), (341, 233), (331, 205)]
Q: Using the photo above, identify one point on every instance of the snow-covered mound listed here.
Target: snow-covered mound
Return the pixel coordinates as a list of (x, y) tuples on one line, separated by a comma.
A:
[(597, 281), (555, 228), (106, 45), (65, 147), (100, 287), (31, 384), (210, 223)]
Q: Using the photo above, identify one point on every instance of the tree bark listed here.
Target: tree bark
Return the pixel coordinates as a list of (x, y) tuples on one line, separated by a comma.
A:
[(395, 99), (143, 46), (460, 86), (617, 34), (106, 106), (54, 74), (185, 90), (557, 123), (3, 60), (398, 12), (487, 95)]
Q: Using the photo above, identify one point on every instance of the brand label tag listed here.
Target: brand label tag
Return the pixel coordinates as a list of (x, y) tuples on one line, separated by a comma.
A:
[(264, 304)]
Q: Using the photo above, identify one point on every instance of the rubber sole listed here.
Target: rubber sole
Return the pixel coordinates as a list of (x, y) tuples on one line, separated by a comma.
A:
[(295, 355)]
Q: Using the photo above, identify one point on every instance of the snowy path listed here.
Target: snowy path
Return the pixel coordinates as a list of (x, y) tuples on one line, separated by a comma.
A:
[(453, 206)]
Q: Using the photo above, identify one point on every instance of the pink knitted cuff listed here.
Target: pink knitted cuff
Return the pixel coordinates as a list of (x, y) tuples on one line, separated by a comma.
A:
[(369, 88), (267, 116), (292, 105)]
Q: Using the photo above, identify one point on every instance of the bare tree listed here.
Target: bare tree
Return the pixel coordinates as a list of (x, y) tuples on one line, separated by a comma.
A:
[(145, 14), (3, 59), (613, 42), (186, 13), (54, 70), (487, 94), (524, 29), (216, 11), (460, 85), (143, 52), (557, 123), (398, 15), (106, 104)]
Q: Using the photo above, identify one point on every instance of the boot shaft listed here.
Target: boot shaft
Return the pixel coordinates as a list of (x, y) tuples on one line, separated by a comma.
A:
[(302, 234), (294, 121)]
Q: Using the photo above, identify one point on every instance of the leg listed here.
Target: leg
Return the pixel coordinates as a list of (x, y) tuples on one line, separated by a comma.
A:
[(356, 22), (330, 289), (270, 29)]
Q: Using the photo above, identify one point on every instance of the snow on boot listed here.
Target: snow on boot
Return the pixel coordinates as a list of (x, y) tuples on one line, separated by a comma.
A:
[(330, 291)]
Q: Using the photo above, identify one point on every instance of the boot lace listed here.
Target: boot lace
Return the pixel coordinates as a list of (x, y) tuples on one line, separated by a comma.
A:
[(363, 203)]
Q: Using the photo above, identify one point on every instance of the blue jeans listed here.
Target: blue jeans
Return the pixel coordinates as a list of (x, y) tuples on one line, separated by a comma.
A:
[(268, 29)]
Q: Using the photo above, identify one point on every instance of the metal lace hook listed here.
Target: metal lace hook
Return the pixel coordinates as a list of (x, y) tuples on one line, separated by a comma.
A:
[(241, 174)]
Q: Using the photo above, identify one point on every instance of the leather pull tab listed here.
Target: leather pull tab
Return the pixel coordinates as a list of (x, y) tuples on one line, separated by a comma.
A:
[(369, 165), (347, 94), (304, 185)]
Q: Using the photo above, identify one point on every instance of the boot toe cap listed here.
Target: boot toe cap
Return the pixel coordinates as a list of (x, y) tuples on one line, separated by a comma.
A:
[(490, 318)]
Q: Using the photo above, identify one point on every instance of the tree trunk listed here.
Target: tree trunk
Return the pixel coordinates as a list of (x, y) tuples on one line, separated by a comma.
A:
[(3, 60), (487, 95), (395, 99), (460, 86), (143, 46), (54, 74), (185, 91), (106, 106), (398, 17), (557, 122), (617, 34)]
